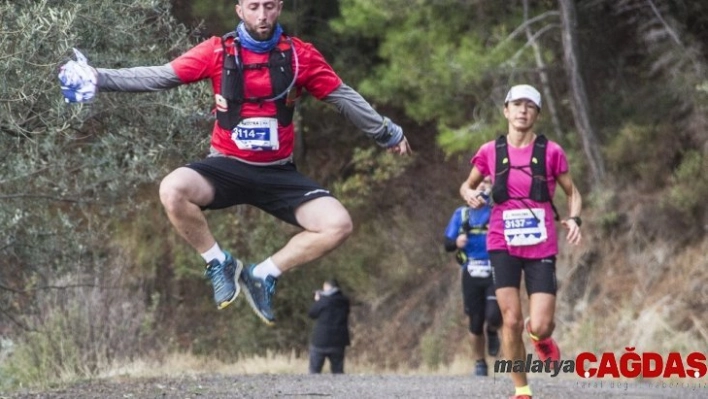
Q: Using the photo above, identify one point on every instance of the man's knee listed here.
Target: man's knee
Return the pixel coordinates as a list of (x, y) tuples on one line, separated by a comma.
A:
[(339, 227), (327, 217), (345, 226), (170, 193), (184, 186)]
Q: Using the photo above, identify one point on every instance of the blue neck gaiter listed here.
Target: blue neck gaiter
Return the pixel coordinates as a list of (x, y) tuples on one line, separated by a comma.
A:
[(258, 46)]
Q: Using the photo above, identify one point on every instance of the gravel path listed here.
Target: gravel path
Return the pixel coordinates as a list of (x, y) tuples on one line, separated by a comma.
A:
[(360, 387)]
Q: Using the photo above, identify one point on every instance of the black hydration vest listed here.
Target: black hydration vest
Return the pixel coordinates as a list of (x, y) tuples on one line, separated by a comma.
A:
[(232, 85), (539, 184), (466, 228)]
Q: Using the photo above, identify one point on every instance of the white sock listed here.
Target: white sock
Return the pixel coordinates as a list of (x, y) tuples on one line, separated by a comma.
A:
[(214, 253), (266, 268)]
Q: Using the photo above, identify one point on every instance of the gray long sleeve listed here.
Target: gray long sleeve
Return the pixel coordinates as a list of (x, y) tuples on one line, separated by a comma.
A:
[(138, 79), (357, 110)]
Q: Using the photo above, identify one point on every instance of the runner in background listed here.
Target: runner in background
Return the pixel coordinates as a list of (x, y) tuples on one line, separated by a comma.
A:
[(466, 233)]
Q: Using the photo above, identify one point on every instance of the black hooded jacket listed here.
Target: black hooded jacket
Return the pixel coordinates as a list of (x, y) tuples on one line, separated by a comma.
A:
[(332, 321)]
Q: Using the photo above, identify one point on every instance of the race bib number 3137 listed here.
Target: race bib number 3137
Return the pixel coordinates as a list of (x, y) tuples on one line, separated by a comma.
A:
[(524, 226), (256, 134)]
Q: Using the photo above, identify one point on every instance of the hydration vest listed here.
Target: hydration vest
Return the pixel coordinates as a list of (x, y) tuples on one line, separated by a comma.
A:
[(232, 85), (466, 228), (539, 182)]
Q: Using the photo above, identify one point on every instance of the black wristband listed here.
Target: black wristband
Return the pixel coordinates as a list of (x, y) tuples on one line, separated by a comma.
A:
[(577, 220)]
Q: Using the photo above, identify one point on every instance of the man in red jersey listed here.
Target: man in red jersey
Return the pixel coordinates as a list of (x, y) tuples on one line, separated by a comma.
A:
[(256, 72)]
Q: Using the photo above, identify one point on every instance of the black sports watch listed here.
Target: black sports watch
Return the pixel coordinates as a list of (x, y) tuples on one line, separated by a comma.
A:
[(577, 220)]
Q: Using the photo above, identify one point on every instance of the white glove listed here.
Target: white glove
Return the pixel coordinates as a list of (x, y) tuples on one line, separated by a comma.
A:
[(78, 80)]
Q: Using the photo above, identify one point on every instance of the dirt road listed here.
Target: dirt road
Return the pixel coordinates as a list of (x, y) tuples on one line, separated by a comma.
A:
[(361, 387)]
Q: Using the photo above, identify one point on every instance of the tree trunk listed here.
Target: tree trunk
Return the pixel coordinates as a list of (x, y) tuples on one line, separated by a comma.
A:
[(579, 99), (548, 101)]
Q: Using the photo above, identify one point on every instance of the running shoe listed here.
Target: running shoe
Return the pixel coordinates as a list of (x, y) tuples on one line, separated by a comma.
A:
[(223, 278), (259, 293), (480, 368), (546, 348)]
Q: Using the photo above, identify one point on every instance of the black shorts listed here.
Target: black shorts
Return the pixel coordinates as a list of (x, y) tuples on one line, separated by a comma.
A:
[(475, 292), (539, 274), (276, 189), (480, 303)]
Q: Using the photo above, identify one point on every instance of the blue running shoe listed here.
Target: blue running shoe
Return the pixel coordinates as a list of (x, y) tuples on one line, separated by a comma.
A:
[(480, 368), (223, 278), (259, 293)]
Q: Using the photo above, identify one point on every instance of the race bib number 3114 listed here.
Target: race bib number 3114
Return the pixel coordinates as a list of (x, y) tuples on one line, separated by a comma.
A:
[(524, 226), (256, 134)]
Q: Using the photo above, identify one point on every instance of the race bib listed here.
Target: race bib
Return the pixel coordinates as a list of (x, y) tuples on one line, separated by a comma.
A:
[(524, 226), (479, 268), (256, 134)]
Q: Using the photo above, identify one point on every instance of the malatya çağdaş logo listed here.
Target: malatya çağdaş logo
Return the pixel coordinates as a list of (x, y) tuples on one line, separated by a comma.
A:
[(629, 364)]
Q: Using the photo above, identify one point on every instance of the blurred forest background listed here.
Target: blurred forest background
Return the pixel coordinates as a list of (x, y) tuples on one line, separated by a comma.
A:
[(92, 274)]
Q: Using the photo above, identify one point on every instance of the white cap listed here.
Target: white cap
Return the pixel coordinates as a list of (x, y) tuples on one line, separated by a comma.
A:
[(524, 91)]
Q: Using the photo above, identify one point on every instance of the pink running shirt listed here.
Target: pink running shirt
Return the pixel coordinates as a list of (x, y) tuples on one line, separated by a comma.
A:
[(519, 185)]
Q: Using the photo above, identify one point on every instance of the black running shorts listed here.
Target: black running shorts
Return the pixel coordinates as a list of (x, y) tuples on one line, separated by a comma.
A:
[(539, 274), (480, 302), (276, 189)]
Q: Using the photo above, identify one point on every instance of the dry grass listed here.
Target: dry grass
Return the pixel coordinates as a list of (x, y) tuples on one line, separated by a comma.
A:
[(182, 364), (179, 364), (654, 300)]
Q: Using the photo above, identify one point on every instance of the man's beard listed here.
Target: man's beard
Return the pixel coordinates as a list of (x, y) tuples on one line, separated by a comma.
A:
[(256, 34)]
